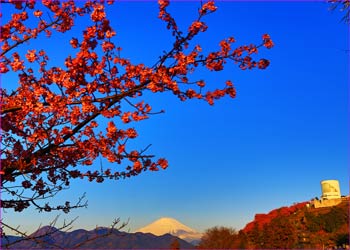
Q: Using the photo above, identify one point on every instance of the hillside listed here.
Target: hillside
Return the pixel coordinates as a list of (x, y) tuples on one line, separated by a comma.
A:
[(299, 226), (116, 240)]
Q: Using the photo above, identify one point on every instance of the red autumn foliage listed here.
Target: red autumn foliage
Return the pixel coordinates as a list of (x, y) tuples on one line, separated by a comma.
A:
[(299, 227), (50, 131), (261, 219)]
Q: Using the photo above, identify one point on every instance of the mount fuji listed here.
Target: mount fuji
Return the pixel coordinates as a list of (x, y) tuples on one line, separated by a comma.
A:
[(171, 226)]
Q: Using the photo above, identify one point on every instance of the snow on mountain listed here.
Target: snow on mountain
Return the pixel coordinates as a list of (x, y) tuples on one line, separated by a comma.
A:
[(171, 226)]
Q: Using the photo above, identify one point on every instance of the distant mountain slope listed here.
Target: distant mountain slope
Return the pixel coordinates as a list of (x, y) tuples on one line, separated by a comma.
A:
[(165, 225), (9, 239), (117, 240), (171, 226), (299, 226)]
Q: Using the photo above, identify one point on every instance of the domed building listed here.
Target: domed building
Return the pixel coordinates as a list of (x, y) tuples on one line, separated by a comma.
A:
[(331, 195)]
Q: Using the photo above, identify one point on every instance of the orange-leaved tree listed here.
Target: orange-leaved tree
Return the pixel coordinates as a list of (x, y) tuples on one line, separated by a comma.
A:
[(49, 126)]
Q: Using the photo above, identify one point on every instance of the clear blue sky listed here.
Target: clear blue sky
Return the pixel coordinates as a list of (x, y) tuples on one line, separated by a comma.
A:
[(270, 147)]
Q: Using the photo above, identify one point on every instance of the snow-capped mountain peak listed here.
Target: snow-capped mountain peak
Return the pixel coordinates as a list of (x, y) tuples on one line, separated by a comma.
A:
[(171, 226)]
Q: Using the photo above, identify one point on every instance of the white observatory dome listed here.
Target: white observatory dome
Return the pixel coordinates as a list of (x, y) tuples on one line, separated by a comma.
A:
[(330, 189)]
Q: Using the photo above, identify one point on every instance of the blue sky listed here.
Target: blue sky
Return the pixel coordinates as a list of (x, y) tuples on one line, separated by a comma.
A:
[(270, 147)]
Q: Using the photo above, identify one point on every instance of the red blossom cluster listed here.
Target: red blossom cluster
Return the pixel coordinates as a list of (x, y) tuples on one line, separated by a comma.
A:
[(50, 131)]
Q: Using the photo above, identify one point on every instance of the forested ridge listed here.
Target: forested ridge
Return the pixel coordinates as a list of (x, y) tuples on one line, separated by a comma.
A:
[(298, 226)]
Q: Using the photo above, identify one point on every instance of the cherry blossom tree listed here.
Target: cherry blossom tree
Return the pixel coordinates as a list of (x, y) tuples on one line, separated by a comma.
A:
[(57, 120), (342, 5)]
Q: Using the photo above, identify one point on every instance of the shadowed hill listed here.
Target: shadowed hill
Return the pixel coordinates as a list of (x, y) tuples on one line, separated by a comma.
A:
[(115, 240)]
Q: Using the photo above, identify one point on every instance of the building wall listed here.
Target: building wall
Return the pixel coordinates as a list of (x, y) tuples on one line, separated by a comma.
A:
[(326, 203)]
